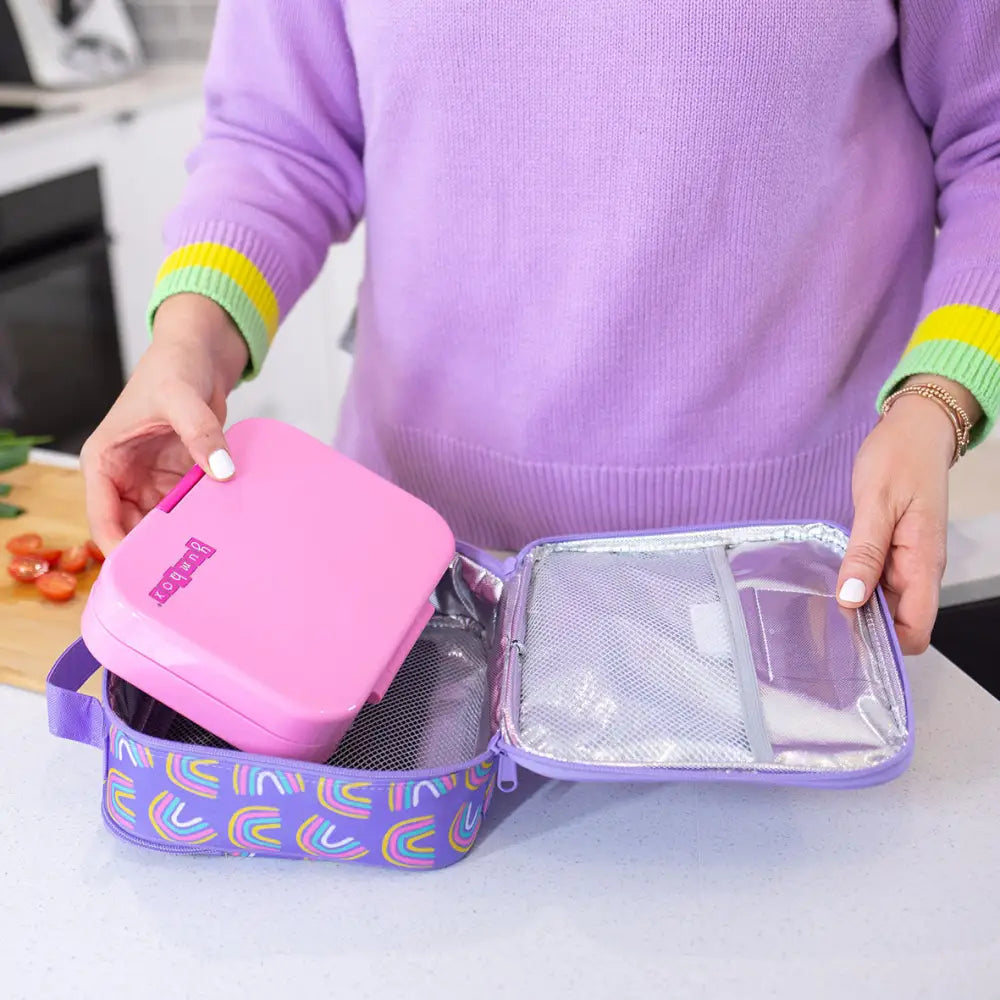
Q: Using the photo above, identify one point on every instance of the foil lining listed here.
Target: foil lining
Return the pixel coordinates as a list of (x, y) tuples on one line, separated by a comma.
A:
[(709, 649)]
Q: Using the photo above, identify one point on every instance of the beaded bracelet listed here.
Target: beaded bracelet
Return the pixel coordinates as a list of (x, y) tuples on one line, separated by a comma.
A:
[(959, 418)]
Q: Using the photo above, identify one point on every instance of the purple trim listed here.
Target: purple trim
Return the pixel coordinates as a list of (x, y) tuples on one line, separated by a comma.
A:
[(899, 660), (74, 716), (561, 771), (661, 532), (485, 559), (282, 763)]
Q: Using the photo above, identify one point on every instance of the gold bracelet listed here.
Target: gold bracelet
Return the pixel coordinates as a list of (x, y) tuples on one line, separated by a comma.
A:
[(956, 413)]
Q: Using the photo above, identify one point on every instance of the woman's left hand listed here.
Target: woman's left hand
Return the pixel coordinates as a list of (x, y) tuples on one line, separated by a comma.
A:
[(900, 488)]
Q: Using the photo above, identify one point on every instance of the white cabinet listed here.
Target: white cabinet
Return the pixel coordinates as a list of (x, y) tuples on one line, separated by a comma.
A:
[(305, 375), (142, 175)]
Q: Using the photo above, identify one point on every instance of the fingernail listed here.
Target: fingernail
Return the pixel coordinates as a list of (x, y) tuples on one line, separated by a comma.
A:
[(221, 465), (853, 591)]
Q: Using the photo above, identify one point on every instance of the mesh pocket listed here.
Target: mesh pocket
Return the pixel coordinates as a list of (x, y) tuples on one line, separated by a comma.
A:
[(435, 713), (628, 660)]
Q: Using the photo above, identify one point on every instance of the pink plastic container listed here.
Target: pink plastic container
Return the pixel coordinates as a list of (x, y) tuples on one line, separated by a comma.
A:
[(259, 608)]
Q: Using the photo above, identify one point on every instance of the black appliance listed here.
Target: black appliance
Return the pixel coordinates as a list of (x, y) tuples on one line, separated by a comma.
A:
[(60, 364), (968, 635), (12, 113)]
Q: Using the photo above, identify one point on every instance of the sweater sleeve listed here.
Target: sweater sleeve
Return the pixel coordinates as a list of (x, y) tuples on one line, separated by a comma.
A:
[(276, 178), (949, 51)]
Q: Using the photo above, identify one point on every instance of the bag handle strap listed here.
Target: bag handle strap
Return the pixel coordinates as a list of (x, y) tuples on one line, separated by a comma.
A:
[(72, 715)]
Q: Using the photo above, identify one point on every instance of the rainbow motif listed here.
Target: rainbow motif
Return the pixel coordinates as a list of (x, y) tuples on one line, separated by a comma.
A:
[(490, 789), (401, 846), (464, 827), (253, 781), (405, 795), (478, 775), (344, 798), (122, 747), (250, 827), (192, 775), (317, 838), (165, 813), (119, 791)]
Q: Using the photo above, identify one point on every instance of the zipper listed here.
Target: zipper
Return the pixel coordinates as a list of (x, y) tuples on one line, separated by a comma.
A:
[(305, 767), (511, 757), (506, 772)]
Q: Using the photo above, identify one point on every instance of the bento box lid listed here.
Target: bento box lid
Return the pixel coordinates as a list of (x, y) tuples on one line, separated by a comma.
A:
[(266, 597)]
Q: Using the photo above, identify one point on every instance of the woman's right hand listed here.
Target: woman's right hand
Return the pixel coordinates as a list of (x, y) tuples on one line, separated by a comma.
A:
[(169, 417)]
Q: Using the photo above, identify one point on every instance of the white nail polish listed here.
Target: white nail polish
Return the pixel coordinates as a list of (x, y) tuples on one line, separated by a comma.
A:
[(221, 465), (853, 591)]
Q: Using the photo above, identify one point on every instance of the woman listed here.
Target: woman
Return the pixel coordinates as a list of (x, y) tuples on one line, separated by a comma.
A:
[(630, 264)]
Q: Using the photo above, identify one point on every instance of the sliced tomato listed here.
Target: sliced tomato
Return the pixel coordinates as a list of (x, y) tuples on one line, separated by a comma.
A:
[(95, 553), (51, 556), (75, 559), (25, 545), (27, 568), (57, 585)]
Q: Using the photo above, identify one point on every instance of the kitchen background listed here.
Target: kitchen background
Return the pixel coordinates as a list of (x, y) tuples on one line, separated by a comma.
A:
[(174, 29), (86, 178), (87, 175)]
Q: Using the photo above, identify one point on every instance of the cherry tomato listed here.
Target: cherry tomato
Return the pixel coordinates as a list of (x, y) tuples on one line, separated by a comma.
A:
[(75, 559), (57, 585), (51, 556), (27, 568), (95, 553), (25, 545)]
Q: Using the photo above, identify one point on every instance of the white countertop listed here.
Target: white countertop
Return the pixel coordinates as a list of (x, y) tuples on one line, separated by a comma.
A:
[(574, 890), (154, 84), (682, 891)]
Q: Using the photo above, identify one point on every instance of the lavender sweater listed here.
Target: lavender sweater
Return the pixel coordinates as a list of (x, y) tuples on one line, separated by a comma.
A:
[(631, 263)]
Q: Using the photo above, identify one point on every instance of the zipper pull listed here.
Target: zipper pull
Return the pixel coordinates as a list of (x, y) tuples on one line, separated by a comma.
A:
[(506, 773)]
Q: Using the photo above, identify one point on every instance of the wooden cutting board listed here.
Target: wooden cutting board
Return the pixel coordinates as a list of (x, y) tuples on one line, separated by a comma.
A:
[(34, 631)]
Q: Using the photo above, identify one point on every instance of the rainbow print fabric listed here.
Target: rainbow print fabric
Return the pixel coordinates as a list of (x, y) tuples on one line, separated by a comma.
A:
[(189, 800)]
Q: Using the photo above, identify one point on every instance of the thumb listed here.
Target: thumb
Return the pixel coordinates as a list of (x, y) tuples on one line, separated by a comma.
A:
[(866, 554), (200, 431)]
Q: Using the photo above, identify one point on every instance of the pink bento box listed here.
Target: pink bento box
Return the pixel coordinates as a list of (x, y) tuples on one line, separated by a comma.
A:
[(260, 608)]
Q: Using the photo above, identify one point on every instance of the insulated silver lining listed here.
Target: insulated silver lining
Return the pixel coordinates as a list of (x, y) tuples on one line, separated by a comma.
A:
[(634, 653)]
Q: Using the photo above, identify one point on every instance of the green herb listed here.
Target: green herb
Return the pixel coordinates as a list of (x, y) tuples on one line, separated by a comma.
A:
[(7, 436), (14, 451), (13, 455)]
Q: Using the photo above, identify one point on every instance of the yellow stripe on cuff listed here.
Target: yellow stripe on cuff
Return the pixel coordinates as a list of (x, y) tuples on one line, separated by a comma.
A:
[(967, 324), (234, 265)]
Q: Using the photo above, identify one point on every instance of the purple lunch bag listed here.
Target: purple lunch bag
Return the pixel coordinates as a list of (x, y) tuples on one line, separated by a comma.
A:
[(697, 655)]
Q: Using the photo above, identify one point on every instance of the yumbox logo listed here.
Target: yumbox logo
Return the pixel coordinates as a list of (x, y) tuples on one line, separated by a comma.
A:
[(179, 575)]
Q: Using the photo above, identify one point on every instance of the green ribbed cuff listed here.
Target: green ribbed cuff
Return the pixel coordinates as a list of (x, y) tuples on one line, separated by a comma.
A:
[(971, 367), (227, 294)]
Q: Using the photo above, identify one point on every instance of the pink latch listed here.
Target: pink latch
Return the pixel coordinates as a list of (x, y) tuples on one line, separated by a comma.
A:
[(181, 490)]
